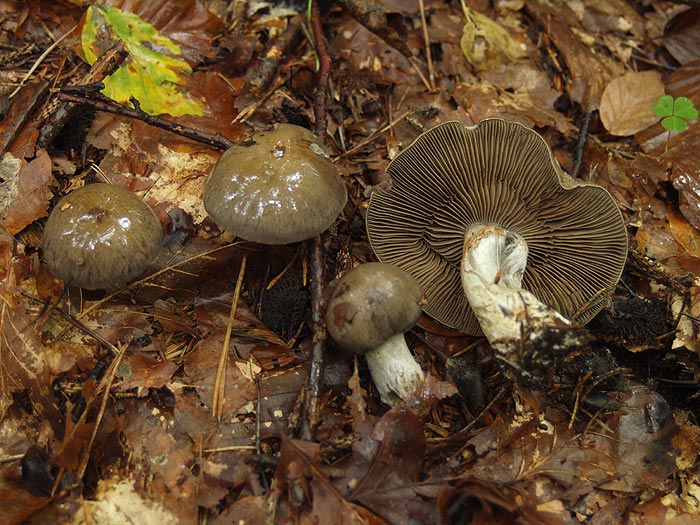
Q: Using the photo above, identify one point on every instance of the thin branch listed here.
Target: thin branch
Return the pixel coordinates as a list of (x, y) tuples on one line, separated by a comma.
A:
[(315, 380), (581, 144), (102, 103), (58, 113), (217, 405)]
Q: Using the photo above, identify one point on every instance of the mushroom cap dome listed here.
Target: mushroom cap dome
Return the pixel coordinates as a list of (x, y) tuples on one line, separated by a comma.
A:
[(278, 187), (100, 236), (372, 303), (502, 173)]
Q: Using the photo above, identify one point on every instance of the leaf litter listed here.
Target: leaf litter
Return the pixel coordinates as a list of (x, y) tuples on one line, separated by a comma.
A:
[(611, 437)]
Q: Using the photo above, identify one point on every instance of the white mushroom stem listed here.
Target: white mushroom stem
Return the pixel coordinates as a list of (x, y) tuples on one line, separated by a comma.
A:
[(394, 371), (493, 263)]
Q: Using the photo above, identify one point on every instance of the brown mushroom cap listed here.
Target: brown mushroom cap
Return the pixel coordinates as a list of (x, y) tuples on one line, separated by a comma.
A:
[(504, 174), (100, 236), (277, 188), (370, 304)]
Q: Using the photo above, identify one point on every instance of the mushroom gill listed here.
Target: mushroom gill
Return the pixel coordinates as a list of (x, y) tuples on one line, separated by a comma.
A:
[(454, 178)]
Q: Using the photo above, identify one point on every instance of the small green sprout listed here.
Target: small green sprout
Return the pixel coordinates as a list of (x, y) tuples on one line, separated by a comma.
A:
[(675, 112)]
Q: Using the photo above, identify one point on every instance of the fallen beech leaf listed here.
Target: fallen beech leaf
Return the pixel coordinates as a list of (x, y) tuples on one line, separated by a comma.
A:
[(626, 106), (24, 194), (683, 232), (681, 36), (142, 370)]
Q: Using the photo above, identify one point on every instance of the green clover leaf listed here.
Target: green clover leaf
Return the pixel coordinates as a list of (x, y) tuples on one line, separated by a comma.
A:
[(664, 106), (683, 108), (675, 112)]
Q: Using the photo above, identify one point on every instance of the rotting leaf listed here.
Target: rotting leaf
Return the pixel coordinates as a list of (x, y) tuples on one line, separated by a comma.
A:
[(240, 390), (149, 432), (390, 487), (24, 193), (587, 74), (119, 500), (153, 73), (632, 449), (372, 15), (142, 371), (22, 360), (306, 489)]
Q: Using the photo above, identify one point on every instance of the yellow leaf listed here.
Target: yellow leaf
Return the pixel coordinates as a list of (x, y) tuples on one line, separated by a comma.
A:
[(154, 72), (487, 44)]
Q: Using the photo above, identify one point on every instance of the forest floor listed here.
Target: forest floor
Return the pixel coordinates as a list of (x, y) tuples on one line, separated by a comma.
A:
[(156, 401)]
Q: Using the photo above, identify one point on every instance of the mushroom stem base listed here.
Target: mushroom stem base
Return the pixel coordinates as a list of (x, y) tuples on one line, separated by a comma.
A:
[(394, 371), (510, 316)]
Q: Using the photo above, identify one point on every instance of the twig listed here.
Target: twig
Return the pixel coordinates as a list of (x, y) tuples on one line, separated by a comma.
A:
[(105, 386), (428, 53), (217, 405), (321, 93), (57, 114), (102, 103), (581, 144), (312, 398), (258, 78)]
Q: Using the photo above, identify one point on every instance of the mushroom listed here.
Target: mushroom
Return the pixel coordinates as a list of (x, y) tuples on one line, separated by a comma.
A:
[(491, 201), (369, 311), (100, 236), (279, 187)]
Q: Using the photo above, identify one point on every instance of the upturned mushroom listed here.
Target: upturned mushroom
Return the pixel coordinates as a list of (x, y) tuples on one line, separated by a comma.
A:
[(491, 201), (279, 187), (100, 236), (370, 309)]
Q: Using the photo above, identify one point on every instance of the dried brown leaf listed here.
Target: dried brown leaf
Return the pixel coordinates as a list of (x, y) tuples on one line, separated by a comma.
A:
[(142, 371), (587, 75), (24, 195), (627, 102), (682, 36)]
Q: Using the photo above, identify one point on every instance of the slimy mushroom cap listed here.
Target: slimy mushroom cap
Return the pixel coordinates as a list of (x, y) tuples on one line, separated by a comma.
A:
[(100, 236), (278, 187)]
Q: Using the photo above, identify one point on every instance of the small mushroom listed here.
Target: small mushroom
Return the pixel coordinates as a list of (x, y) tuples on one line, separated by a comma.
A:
[(279, 187), (100, 236), (562, 239), (370, 309)]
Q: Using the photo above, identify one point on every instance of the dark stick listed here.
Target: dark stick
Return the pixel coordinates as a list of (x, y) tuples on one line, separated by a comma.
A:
[(581, 144), (313, 387), (258, 78), (57, 114), (321, 93), (102, 103)]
